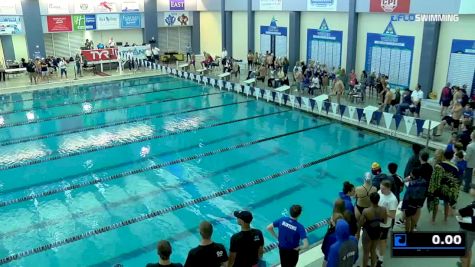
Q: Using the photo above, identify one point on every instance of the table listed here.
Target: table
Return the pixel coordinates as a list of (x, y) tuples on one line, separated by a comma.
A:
[(250, 81), (225, 75), (321, 98), (283, 88), (14, 71)]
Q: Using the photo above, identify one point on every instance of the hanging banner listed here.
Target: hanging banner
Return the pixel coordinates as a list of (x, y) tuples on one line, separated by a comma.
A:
[(131, 21), (83, 6), (324, 46), (108, 21), (10, 25), (390, 54), (321, 5), (59, 23), (176, 18), (462, 65), (103, 6), (274, 39), (95, 55), (134, 51), (409, 122), (270, 5), (351, 111), (56, 7), (390, 6), (388, 118), (84, 22), (7, 8), (130, 6), (177, 4)]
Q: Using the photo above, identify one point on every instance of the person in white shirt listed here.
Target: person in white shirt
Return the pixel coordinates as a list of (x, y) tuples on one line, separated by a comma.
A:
[(224, 54), (155, 52), (416, 97), (389, 201), (63, 67), (111, 42), (148, 54)]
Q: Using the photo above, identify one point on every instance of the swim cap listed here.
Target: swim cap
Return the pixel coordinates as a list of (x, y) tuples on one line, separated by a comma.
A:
[(375, 166)]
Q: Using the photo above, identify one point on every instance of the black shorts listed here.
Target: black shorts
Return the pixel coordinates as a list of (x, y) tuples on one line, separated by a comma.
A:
[(288, 257), (451, 121), (384, 233), (410, 211)]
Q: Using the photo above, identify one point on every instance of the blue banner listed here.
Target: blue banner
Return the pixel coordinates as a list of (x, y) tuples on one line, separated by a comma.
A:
[(131, 21), (390, 54), (90, 22), (462, 64), (324, 45)]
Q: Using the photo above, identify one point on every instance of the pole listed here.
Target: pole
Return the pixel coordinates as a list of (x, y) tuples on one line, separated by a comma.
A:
[(428, 135), (75, 72)]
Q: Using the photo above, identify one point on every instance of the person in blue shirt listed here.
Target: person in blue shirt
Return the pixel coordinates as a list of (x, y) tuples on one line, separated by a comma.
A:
[(291, 232), (344, 252), (347, 193)]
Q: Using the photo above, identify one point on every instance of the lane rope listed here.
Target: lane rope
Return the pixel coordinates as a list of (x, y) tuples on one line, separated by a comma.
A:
[(105, 110), (176, 207), (156, 166), (114, 145), (81, 129), (92, 100)]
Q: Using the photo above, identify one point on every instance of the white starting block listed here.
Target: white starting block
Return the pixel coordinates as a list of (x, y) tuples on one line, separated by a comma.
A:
[(225, 76), (282, 89), (250, 82), (321, 98), (184, 66), (202, 71)]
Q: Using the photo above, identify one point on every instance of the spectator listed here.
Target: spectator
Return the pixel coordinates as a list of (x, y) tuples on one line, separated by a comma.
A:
[(445, 99), (466, 219), (443, 185), (247, 246), (387, 200), (467, 118), (30, 68), (285, 65), (77, 60), (405, 103), (156, 54), (188, 51), (346, 195), (414, 198), (461, 164), (470, 158), (452, 120), (371, 221), (416, 97), (338, 89), (164, 250), (63, 67), (413, 160), (378, 175), (290, 234), (262, 73), (396, 180), (148, 54), (330, 237), (344, 252), (207, 253), (250, 59)]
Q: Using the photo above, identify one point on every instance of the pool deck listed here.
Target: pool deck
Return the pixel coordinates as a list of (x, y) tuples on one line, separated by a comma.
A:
[(312, 257)]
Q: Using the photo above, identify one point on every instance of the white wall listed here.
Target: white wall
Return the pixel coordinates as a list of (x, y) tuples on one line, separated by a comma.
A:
[(263, 18), (376, 23), (337, 21), (463, 29), (239, 32), (210, 33), (131, 36)]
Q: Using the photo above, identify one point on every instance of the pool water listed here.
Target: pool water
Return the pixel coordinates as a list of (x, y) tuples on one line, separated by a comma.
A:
[(95, 175)]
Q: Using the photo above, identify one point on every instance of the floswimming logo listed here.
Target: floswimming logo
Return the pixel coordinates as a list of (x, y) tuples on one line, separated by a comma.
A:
[(426, 17)]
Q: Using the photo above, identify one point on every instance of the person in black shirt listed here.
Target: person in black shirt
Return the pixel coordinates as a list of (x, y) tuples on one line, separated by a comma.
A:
[(208, 253), (466, 219), (164, 250), (247, 246), (397, 182), (413, 161)]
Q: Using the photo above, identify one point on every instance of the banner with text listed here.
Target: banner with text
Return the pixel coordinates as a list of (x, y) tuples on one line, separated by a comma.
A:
[(108, 21), (56, 7), (390, 6), (324, 46), (84, 22), (177, 5), (95, 55), (10, 25), (7, 8), (134, 51), (321, 5), (131, 21), (59, 23), (270, 5)]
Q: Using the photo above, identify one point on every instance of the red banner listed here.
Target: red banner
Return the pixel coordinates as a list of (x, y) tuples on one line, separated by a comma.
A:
[(59, 23), (390, 6), (100, 54)]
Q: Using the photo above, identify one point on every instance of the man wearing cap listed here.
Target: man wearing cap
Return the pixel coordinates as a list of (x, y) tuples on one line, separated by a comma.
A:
[(290, 234), (246, 246)]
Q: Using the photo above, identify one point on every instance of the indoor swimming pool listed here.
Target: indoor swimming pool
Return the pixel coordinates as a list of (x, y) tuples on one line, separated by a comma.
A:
[(95, 175)]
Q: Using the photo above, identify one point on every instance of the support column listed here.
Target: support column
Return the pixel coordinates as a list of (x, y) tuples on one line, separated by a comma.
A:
[(228, 37), (250, 27), (195, 33), (151, 22), (430, 40), (8, 49), (35, 39), (223, 26), (352, 36), (294, 37)]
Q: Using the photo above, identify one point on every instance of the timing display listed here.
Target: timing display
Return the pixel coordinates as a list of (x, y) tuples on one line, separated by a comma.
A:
[(425, 244)]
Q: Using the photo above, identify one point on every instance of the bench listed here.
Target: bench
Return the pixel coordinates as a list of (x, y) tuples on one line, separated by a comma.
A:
[(250, 82), (9, 72), (225, 76), (184, 66), (283, 88)]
